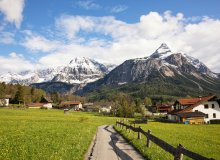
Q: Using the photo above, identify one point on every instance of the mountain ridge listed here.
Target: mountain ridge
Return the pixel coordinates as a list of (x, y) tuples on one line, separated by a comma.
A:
[(80, 70), (164, 66)]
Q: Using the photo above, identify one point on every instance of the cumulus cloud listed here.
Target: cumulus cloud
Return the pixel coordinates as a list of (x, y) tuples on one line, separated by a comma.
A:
[(119, 8), (110, 40), (12, 9), (39, 43), (14, 63)]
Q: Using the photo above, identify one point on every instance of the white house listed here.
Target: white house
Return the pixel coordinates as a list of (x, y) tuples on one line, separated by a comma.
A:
[(191, 110), (76, 105), (106, 109), (210, 108), (4, 102), (40, 105)]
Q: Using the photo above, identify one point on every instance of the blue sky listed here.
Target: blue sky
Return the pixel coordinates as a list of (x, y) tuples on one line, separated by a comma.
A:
[(44, 33)]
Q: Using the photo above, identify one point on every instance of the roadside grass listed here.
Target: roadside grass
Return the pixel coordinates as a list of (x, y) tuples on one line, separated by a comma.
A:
[(201, 139), (47, 134)]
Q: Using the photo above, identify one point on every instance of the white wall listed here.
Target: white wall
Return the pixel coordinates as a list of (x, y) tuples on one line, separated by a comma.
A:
[(210, 110), (79, 106), (48, 105), (4, 102)]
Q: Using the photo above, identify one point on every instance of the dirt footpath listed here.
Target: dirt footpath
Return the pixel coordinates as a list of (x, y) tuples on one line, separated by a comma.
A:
[(109, 145)]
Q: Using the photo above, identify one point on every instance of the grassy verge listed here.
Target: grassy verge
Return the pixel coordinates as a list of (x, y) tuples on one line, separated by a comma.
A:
[(47, 134), (202, 139)]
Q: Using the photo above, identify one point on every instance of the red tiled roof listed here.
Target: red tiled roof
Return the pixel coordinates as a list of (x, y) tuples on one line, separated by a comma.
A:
[(192, 101), (203, 99), (70, 102)]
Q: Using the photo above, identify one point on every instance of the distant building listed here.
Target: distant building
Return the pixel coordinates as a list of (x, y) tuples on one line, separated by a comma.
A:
[(105, 108), (196, 110), (44, 103), (164, 107), (4, 101), (76, 105), (40, 105), (90, 107)]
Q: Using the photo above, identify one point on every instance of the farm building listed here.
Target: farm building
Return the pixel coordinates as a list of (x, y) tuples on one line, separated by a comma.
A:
[(4, 101), (40, 105), (44, 103), (76, 105), (196, 110), (165, 107), (90, 107), (105, 108)]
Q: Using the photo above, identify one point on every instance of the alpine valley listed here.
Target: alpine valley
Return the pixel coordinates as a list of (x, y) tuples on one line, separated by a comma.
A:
[(162, 73)]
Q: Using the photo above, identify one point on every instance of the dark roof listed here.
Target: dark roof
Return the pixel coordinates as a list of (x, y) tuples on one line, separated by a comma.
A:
[(191, 114), (46, 100), (174, 112)]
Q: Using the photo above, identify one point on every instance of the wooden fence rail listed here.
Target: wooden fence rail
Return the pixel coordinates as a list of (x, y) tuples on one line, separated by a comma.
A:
[(177, 152)]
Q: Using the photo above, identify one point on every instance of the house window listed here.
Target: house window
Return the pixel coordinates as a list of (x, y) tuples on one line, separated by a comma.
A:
[(206, 115), (214, 115), (213, 105), (196, 111), (206, 106)]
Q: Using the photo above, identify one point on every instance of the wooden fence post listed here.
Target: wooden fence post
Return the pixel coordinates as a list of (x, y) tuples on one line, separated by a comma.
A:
[(178, 155), (148, 138), (139, 133)]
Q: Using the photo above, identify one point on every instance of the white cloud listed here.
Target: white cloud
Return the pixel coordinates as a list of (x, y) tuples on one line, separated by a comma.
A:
[(119, 8), (6, 37), (14, 63), (110, 40), (12, 9), (88, 4), (39, 43), (73, 24)]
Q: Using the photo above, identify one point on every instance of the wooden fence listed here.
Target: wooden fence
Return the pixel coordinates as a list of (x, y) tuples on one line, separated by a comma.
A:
[(177, 152)]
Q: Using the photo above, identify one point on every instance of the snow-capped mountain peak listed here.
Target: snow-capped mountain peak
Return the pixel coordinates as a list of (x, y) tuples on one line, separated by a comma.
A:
[(163, 48), (162, 52), (80, 70)]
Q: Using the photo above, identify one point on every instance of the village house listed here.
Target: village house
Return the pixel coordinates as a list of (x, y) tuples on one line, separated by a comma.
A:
[(76, 105), (196, 110), (90, 107), (164, 107), (44, 103), (105, 109), (4, 101)]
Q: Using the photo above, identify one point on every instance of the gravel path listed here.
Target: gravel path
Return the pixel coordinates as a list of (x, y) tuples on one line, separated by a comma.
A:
[(109, 145)]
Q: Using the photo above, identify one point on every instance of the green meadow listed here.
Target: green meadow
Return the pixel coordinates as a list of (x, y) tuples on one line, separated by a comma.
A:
[(201, 139), (47, 134), (51, 134)]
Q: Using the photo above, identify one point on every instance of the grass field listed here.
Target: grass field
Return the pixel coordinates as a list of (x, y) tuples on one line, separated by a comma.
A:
[(47, 134), (202, 139)]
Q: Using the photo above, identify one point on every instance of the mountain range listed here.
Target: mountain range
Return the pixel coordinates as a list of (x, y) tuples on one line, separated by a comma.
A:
[(162, 73), (78, 71)]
